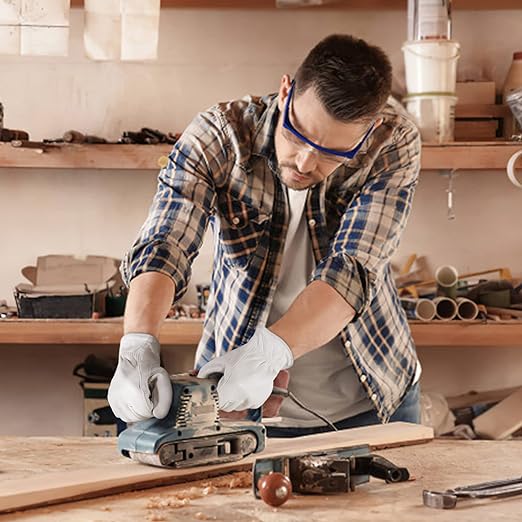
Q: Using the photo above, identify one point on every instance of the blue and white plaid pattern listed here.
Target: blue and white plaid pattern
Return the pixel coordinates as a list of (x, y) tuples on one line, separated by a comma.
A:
[(223, 170)]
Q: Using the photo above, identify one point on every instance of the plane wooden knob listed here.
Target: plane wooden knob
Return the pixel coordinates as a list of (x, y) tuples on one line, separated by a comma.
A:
[(274, 488)]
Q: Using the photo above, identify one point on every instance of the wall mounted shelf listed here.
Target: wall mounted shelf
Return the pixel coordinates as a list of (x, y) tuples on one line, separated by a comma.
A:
[(456, 155), (188, 332)]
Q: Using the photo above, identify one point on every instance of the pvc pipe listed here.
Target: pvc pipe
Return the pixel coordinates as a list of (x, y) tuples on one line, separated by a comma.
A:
[(467, 310), (447, 278), (420, 309), (446, 308)]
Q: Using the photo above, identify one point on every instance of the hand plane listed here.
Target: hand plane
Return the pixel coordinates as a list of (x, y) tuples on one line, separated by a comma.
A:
[(331, 471), (192, 433)]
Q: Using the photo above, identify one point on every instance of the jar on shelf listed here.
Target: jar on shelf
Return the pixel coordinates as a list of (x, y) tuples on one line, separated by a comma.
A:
[(512, 83)]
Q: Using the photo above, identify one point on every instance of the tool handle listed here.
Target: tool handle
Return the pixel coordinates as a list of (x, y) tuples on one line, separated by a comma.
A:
[(386, 470)]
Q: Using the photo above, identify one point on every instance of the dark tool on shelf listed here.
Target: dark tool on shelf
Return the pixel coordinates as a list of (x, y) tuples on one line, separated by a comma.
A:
[(334, 471), (13, 134), (147, 136), (496, 489), (102, 416), (74, 136), (192, 433)]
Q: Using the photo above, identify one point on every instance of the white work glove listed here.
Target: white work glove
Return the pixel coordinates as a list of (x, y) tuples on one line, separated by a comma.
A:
[(140, 388), (249, 370)]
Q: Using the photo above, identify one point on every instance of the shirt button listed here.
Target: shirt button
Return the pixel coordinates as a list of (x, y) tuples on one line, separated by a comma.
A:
[(236, 220), (374, 397), (363, 378), (311, 222)]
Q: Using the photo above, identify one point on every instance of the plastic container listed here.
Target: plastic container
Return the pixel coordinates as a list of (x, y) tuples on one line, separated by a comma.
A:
[(429, 19), (512, 84), (514, 100), (431, 66), (435, 116)]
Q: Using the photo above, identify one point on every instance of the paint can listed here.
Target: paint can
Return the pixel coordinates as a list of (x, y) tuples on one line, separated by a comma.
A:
[(431, 66), (434, 115)]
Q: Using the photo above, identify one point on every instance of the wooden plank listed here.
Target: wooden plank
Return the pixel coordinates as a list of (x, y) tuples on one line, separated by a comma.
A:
[(329, 4), (468, 156), (481, 111), (188, 332), (88, 331), (463, 333), (502, 420), (483, 155), (72, 156), (57, 487)]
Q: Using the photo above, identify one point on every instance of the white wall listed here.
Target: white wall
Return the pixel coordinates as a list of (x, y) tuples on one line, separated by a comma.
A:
[(206, 56)]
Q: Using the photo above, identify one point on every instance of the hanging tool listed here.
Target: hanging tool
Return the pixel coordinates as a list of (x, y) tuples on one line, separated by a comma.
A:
[(496, 489)]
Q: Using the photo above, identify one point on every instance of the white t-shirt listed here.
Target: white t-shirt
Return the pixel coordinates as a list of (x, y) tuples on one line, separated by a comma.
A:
[(323, 379)]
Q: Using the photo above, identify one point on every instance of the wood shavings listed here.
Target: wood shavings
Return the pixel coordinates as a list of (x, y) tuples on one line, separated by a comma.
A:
[(167, 502), (203, 516), (155, 517), (241, 479), (180, 498), (183, 497)]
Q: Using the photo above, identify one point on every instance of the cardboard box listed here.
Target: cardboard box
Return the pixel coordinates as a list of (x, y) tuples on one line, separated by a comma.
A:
[(66, 286), (475, 93)]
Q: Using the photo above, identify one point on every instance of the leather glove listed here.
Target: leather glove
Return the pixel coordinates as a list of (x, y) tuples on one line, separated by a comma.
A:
[(249, 370), (140, 388)]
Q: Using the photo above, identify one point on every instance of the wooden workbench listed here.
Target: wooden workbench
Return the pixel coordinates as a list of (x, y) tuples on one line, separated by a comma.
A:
[(439, 465)]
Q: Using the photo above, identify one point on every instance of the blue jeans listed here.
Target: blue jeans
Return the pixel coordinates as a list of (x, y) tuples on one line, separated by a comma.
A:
[(408, 411)]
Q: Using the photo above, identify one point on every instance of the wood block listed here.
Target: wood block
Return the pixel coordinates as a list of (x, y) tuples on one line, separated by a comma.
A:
[(479, 397), (502, 420), (477, 129), (482, 111), (475, 92), (91, 482)]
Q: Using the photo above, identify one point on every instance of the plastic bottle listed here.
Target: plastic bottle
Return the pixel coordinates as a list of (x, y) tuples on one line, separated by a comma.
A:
[(512, 82)]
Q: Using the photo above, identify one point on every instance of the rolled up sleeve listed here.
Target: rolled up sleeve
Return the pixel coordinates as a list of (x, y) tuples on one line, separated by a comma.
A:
[(372, 225), (173, 232)]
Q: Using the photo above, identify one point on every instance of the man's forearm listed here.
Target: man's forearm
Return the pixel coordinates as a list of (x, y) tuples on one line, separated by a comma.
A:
[(317, 315), (149, 300)]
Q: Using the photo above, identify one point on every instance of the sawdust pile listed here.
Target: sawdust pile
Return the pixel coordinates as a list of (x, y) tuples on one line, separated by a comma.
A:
[(183, 497), (241, 479)]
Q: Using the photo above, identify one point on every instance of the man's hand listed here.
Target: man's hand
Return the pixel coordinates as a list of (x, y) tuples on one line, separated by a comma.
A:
[(140, 388), (249, 370)]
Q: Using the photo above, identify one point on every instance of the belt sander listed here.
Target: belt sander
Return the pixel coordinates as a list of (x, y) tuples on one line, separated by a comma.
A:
[(192, 433)]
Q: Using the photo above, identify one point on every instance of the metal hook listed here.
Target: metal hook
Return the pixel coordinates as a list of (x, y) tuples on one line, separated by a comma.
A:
[(450, 191)]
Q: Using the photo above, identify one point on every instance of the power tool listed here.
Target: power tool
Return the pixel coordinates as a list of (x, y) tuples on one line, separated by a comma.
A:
[(192, 433)]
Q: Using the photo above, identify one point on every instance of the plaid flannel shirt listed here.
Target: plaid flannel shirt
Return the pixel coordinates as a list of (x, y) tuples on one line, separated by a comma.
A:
[(223, 170)]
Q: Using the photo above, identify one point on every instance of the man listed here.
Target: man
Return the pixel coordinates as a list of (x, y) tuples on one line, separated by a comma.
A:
[(308, 192)]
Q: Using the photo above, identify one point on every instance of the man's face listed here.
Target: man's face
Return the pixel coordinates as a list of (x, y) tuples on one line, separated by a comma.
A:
[(301, 165)]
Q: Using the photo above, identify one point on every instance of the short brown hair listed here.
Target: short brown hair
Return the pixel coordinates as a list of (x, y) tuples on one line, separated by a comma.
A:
[(351, 78)]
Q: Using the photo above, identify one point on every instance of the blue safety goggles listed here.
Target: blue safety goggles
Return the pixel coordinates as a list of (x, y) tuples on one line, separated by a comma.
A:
[(329, 154)]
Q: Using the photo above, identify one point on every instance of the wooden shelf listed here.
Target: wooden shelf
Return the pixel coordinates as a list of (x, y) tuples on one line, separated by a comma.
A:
[(134, 157), (477, 155), (329, 4), (459, 155), (188, 332), (87, 331), (474, 333)]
